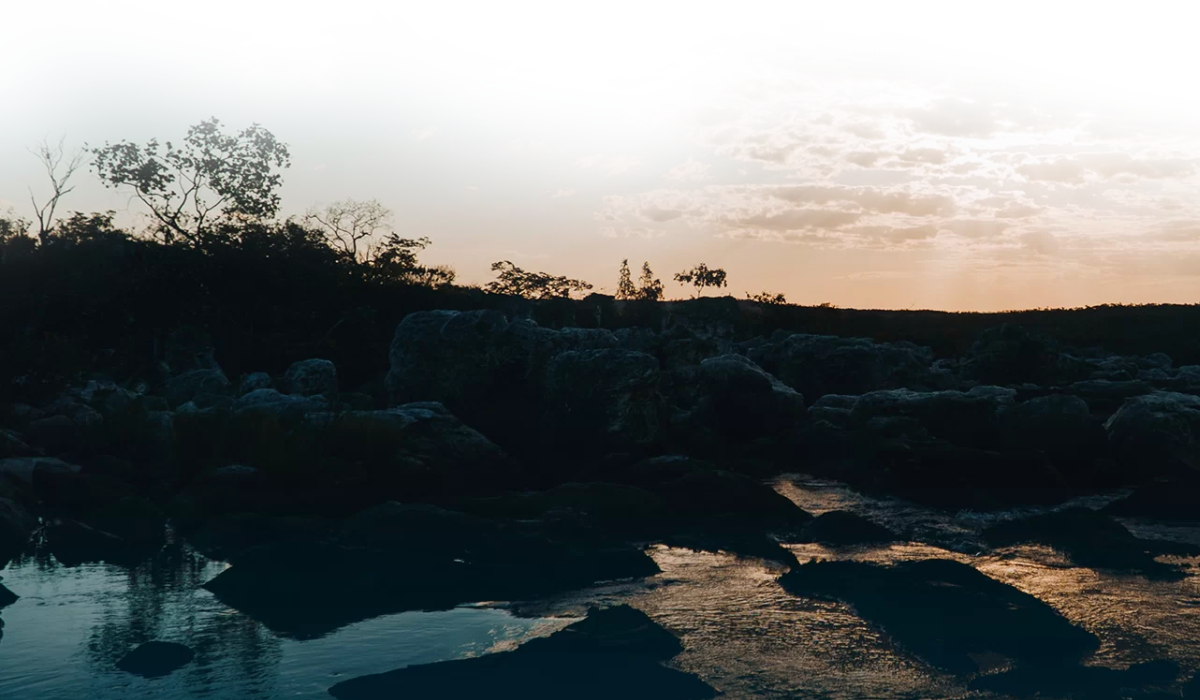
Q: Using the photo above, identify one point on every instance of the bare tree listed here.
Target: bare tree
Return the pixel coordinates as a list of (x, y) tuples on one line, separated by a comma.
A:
[(59, 168), (349, 222)]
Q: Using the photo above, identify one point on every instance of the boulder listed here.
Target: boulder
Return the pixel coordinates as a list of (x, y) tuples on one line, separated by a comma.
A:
[(154, 659), (947, 613), (970, 419), (1013, 354), (606, 400), (415, 527), (21, 469), (230, 489), (816, 365), (7, 597), (73, 543), (1154, 432), (136, 520), (1061, 426), (12, 445), (185, 387), (615, 652), (16, 526), (1177, 498), (838, 528), (254, 382), (311, 378), (227, 535), (615, 508), (736, 402), (1091, 539)]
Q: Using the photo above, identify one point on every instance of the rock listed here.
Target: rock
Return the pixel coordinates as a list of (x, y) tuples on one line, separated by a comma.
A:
[(414, 527), (1153, 433), (615, 652), (1091, 539), (839, 528), (413, 451), (22, 468), (230, 489), (946, 613), (254, 382), (227, 535), (308, 589), (816, 365), (16, 526), (1105, 396), (73, 543), (154, 659), (1093, 682), (605, 399), (136, 520), (1177, 498), (736, 402), (66, 487), (703, 495), (1062, 427), (200, 436), (70, 427), (1012, 354), (311, 378), (7, 597), (615, 508), (189, 349), (11, 445), (182, 388), (969, 419)]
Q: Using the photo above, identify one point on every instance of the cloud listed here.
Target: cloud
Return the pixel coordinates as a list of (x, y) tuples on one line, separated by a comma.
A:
[(608, 165), (422, 134), (975, 228), (1067, 170), (561, 193), (691, 170)]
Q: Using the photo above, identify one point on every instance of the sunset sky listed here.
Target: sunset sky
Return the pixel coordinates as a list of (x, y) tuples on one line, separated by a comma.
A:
[(965, 156)]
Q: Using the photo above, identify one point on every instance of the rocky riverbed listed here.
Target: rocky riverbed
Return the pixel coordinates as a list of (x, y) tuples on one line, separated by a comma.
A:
[(1020, 520)]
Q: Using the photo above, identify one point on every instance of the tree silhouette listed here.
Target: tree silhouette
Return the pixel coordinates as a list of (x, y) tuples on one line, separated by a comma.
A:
[(395, 259), (60, 172), (349, 222), (702, 276), (212, 175), (625, 288), (514, 281), (767, 298), (649, 288)]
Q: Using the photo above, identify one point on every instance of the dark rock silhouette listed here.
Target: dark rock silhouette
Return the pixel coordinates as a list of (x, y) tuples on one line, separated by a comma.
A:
[(614, 652), (154, 659), (1091, 539), (843, 528), (946, 613)]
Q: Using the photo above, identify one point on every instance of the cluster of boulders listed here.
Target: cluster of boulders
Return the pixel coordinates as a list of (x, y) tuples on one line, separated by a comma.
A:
[(505, 459)]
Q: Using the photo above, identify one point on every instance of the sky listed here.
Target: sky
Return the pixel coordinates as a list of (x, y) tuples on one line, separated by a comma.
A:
[(944, 155)]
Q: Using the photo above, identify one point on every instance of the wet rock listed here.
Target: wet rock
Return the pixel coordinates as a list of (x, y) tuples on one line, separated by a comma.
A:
[(73, 543), (946, 613), (311, 378), (1176, 498), (415, 527), (1091, 539), (614, 652), (154, 659), (68, 488), (278, 583), (1089, 682), (1154, 432), (816, 365), (839, 528), (180, 389), (703, 495), (606, 399), (16, 526), (134, 519), (616, 508), (7, 597)]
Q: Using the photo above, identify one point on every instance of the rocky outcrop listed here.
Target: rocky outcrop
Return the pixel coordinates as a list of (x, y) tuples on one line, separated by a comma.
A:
[(613, 652), (816, 365), (1013, 354), (1156, 432)]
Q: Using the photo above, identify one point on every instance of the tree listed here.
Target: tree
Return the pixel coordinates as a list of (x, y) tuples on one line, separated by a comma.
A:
[(349, 222), (625, 288), (649, 288), (702, 276), (212, 175), (514, 281), (767, 298), (52, 159), (395, 259)]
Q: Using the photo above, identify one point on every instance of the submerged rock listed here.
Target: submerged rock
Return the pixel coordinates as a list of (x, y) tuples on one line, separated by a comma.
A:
[(1091, 539), (946, 613), (1089, 682), (154, 659), (613, 653)]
